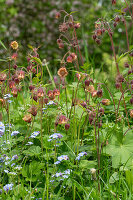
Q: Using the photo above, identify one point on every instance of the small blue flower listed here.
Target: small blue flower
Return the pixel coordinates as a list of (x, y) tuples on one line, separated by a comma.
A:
[(57, 162), (58, 174), (9, 101), (14, 133), (7, 96), (63, 157), (14, 157), (8, 187), (34, 134), (29, 143), (65, 176), (56, 136), (81, 155), (68, 171)]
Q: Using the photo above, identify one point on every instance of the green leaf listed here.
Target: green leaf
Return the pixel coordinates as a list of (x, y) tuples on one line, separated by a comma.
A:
[(87, 164), (3, 45), (121, 150), (114, 177), (37, 60), (33, 151)]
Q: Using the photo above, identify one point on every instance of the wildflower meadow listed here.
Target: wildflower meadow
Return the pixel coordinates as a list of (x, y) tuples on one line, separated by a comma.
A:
[(66, 133)]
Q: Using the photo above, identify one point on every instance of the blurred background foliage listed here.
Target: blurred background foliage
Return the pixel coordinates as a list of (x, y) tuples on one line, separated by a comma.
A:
[(33, 23)]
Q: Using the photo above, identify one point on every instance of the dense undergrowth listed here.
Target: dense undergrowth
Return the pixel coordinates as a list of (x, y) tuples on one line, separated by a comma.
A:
[(68, 140)]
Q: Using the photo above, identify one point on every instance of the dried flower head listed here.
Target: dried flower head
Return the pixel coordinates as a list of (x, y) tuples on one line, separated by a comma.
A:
[(27, 118), (14, 45), (62, 72)]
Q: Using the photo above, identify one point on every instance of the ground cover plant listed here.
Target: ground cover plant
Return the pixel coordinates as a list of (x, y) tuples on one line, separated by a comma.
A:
[(69, 137)]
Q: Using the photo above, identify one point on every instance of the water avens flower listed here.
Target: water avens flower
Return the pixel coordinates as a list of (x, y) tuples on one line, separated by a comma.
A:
[(14, 45)]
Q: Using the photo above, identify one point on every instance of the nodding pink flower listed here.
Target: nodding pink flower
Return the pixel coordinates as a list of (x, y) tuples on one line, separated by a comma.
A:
[(62, 119), (31, 87), (33, 110), (14, 56), (45, 100), (14, 91), (20, 74), (67, 126), (40, 92), (100, 93), (94, 93), (57, 15), (105, 102), (11, 84), (77, 25), (27, 118), (56, 92), (113, 2), (69, 59), (51, 95), (74, 56), (2, 77)]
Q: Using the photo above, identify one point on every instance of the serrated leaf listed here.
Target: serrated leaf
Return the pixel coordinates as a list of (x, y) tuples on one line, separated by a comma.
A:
[(87, 164), (33, 151)]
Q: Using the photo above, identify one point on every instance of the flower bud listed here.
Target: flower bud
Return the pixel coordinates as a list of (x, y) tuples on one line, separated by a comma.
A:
[(67, 126)]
